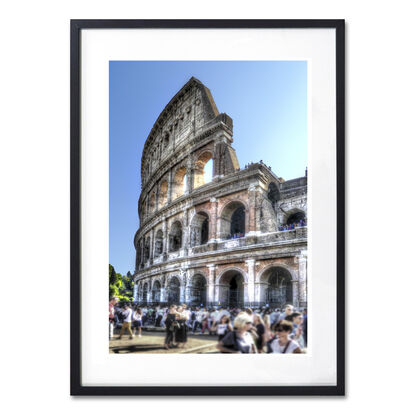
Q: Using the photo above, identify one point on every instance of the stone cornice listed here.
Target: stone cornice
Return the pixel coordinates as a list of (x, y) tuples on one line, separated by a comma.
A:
[(259, 252)]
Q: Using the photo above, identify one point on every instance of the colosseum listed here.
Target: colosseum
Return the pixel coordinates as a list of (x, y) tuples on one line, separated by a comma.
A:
[(211, 233)]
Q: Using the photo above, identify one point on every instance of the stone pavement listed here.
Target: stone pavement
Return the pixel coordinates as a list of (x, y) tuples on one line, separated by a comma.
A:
[(153, 342)]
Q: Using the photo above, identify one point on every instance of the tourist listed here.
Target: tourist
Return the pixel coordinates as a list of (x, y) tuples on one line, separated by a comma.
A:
[(274, 317), (304, 326), (169, 323), (282, 343), (288, 310), (205, 321), (159, 316), (260, 331), (126, 325), (223, 327), (297, 333), (198, 320), (239, 340), (112, 316), (180, 334), (137, 321)]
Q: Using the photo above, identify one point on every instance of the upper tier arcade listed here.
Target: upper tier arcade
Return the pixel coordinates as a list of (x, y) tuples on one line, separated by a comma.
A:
[(188, 134)]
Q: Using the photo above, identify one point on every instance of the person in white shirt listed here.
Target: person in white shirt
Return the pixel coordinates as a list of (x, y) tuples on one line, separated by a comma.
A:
[(137, 321), (282, 343), (126, 325)]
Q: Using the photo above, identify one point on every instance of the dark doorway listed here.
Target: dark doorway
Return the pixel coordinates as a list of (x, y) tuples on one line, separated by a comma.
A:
[(204, 232), (174, 291), (238, 221)]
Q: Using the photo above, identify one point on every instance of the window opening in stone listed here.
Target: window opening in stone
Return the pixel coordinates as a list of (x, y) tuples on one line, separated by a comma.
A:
[(203, 170), (175, 239), (173, 291), (163, 193), (158, 248), (279, 291), (155, 294), (238, 222), (180, 183), (197, 292), (145, 293)]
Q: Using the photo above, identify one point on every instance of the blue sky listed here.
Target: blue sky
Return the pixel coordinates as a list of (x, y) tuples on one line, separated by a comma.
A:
[(267, 101)]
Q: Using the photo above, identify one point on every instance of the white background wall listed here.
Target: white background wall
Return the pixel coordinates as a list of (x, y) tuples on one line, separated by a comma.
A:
[(35, 203)]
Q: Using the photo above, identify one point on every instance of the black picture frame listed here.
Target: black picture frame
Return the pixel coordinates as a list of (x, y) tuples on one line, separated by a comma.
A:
[(76, 387)]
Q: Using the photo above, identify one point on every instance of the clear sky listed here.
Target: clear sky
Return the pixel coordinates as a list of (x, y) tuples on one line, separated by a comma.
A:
[(267, 101)]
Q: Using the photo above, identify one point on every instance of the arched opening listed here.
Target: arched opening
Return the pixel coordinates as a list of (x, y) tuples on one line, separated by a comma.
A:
[(165, 140), (155, 294), (179, 183), (147, 249), (231, 289), (163, 193), (277, 287), (158, 246), (273, 194), (173, 291), (197, 291), (203, 170), (152, 206), (232, 221), (175, 237), (297, 219), (145, 293), (199, 229)]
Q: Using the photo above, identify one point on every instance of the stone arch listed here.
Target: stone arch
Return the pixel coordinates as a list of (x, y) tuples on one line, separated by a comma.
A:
[(199, 229), (203, 169), (163, 193), (197, 293), (173, 290), (147, 249), (276, 288), (158, 243), (232, 287), (145, 292), (156, 291), (295, 216), (175, 236), (152, 202), (233, 268), (233, 220), (179, 182)]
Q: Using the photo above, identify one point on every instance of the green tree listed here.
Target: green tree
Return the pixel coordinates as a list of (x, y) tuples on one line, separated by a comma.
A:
[(120, 286)]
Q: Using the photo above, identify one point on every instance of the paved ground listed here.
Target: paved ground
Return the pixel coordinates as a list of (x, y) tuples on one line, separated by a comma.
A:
[(153, 342)]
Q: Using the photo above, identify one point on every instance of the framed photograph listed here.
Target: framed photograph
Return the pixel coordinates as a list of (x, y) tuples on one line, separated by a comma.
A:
[(207, 207)]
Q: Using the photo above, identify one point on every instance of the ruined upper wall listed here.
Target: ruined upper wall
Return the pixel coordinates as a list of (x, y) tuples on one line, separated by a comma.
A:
[(182, 118)]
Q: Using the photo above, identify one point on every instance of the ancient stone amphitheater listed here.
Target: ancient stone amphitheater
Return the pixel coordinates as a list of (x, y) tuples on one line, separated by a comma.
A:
[(210, 232)]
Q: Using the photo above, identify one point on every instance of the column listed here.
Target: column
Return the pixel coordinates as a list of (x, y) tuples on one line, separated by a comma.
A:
[(157, 197), (170, 189), (214, 219), (165, 239), (295, 293), (185, 241), (250, 229), (189, 174), (163, 289), (251, 281), (151, 244), (302, 279), (210, 286), (135, 295), (150, 292)]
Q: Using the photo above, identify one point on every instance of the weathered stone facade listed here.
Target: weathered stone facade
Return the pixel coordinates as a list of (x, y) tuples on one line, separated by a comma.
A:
[(215, 243)]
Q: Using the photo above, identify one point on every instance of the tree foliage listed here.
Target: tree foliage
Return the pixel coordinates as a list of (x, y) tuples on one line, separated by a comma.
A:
[(121, 286)]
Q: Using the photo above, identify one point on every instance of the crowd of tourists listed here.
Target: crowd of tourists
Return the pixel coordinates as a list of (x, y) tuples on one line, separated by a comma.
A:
[(292, 226), (261, 330)]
